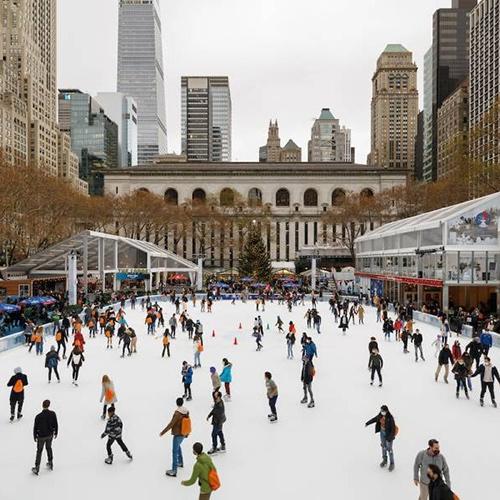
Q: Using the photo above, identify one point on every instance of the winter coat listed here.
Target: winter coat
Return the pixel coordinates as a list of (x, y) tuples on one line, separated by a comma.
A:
[(438, 490), (290, 338), (344, 322), (375, 361), (272, 388), (45, 424), (461, 371), (475, 349), (215, 380), (175, 424), (307, 373), (372, 345), (445, 357), (51, 359), (226, 376), (108, 393), (480, 371), (389, 424), (114, 427), (417, 339), (201, 469), (76, 359), (422, 462), (187, 375), (456, 351), (12, 382), (486, 339), (218, 414), (310, 350)]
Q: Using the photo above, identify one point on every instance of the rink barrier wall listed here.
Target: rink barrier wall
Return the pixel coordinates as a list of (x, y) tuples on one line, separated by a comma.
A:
[(466, 329)]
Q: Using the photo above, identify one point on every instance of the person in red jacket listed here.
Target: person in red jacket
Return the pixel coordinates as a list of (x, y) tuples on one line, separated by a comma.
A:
[(456, 350), (79, 341)]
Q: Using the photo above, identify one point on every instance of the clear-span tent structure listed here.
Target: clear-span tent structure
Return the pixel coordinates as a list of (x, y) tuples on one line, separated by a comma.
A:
[(102, 254)]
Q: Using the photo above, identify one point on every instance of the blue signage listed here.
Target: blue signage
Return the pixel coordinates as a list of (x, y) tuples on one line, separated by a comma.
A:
[(132, 276)]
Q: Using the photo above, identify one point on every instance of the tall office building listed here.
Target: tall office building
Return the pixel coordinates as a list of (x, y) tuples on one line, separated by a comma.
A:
[(394, 109), (484, 91), (123, 111), (329, 141), (206, 118), (427, 155), (94, 136), (450, 67), (140, 73)]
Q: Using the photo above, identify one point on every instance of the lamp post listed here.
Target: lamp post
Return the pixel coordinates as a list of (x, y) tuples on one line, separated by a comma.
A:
[(313, 268)]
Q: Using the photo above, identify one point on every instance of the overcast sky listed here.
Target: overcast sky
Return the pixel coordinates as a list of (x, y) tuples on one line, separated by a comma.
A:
[(285, 59)]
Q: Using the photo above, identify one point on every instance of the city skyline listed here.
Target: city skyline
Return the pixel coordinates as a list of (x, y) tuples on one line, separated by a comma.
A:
[(261, 88)]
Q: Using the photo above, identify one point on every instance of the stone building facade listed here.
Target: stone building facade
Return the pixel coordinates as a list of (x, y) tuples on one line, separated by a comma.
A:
[(294, 198)]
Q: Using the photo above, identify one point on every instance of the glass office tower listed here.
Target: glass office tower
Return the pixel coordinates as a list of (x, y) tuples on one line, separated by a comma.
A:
[(140, 73)]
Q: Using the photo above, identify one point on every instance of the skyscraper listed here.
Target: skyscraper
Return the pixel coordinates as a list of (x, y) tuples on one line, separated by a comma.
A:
[(206, 118), (123, 111), (449, 67), (94, 136), (394, 109), (140, 72), (484, 91), (329, 141), (272, 150)]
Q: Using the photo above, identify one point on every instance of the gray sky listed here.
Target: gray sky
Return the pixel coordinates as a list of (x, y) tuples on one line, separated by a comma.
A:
[(286, 59)]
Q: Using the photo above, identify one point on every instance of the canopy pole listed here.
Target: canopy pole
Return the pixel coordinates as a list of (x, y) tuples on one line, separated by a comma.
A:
[(85, 265)]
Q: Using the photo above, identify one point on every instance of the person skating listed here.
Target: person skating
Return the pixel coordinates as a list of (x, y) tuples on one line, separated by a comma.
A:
[(76, 360), (226, 377), (488, 373), (373, 344), (218, 416), (475, 349), (176, 427), (197, 350), (438, 489), (258, 339), (375, 364), (456, 350), (361, 315), (279, 324), (202, 470), (405, 335), (45, 429), (290, 342), (215, 379), (51, 361), (461, 373), (418, 340), (306, 377), (386, 426), (309, 348), (133, 340), (61, 339), (444, 359), (114, 429), (344, 322), (18, 382), (166, 343), (187, 379), (126, 339), (432, 455), (272, 396), (486, 341), (108, 394)]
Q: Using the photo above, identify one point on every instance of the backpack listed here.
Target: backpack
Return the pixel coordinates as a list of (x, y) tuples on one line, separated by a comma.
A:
[(109, 394), (200, 347), (213, 479), (186, 426), (18, 386)]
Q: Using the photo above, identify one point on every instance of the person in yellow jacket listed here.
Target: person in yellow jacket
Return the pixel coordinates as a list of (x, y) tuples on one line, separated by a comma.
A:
[(108, 394), (201, 470)]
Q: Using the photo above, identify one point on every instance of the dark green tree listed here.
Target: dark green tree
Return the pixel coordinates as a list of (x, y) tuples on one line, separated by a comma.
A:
[(254, 258)]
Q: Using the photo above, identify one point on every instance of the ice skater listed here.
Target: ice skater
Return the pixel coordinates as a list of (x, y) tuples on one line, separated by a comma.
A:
[(418, 340), (108, 394), (18, 382), (76, 360), (166, 343), (488, 373), (187, 380), (226, 377), (306, 377), (218, 416), (45, 429), (114, 429), (375, 364), (461, 373), (51, 361), (272, 396), (386, 427)]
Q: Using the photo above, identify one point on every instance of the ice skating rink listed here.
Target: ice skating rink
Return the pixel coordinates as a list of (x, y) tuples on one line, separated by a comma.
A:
[(316, 454)]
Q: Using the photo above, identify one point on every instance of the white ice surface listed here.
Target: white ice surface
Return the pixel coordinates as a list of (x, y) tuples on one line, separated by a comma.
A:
[(315, 454)]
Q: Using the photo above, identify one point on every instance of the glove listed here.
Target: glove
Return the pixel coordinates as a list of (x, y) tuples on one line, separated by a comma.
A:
[(103, 435)]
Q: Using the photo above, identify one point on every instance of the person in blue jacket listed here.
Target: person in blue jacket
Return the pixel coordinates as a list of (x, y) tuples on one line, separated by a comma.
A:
[(309, 349), (226, 377), (486, 341), (187, 379)]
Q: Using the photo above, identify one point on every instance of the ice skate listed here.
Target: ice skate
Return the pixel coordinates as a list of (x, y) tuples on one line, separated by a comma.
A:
[(34, 470), (213, 451), (383, 463), (494, 403), (171, 473), (12, 418), (19, 416), (481, 402), (129, 455), (311, 404), (109, 460), (50, 466), (391, 467), (273, 419)]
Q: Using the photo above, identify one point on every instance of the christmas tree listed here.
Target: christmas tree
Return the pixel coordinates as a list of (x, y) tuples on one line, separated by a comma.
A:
[(254, 258)]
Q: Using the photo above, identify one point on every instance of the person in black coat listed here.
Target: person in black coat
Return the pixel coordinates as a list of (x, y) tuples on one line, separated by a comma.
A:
[(475, 349), (488, 374), (461, 373), (375, 364), (18, 382), (306, 376), (418, 340), (438, 489), (405, 335), (373, 344), (444, 359), (45, 430), (218, 416), (386, 426)]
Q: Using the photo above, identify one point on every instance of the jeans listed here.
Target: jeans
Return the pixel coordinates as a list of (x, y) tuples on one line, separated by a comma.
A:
[(272, 405), (308, 389), (461, 383), (386, 448), (217, 432), (197, 361), (55, 371), (489, 386), (187, 391), (318, 327), (41, 443), (39, 347), (290, 351), (63, 345), (227, 387), (177, 452), (418, 349), (110, 443), (446, 371)]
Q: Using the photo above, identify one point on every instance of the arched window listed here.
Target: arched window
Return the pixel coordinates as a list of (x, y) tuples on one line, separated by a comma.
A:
[(255, 197), (199, 196), (227, 197), (311, 198), (283, 198), (142, 190), (338, 197), (171, 197), (367, 193)]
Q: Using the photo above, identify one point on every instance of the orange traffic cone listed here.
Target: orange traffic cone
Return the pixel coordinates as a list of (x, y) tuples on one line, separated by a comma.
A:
[(235, 341), (240, 327), (213, 333)]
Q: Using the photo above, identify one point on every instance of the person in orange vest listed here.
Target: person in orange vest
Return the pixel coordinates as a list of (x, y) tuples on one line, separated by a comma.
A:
[(39, 340), (108, 394), (18, 382)]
